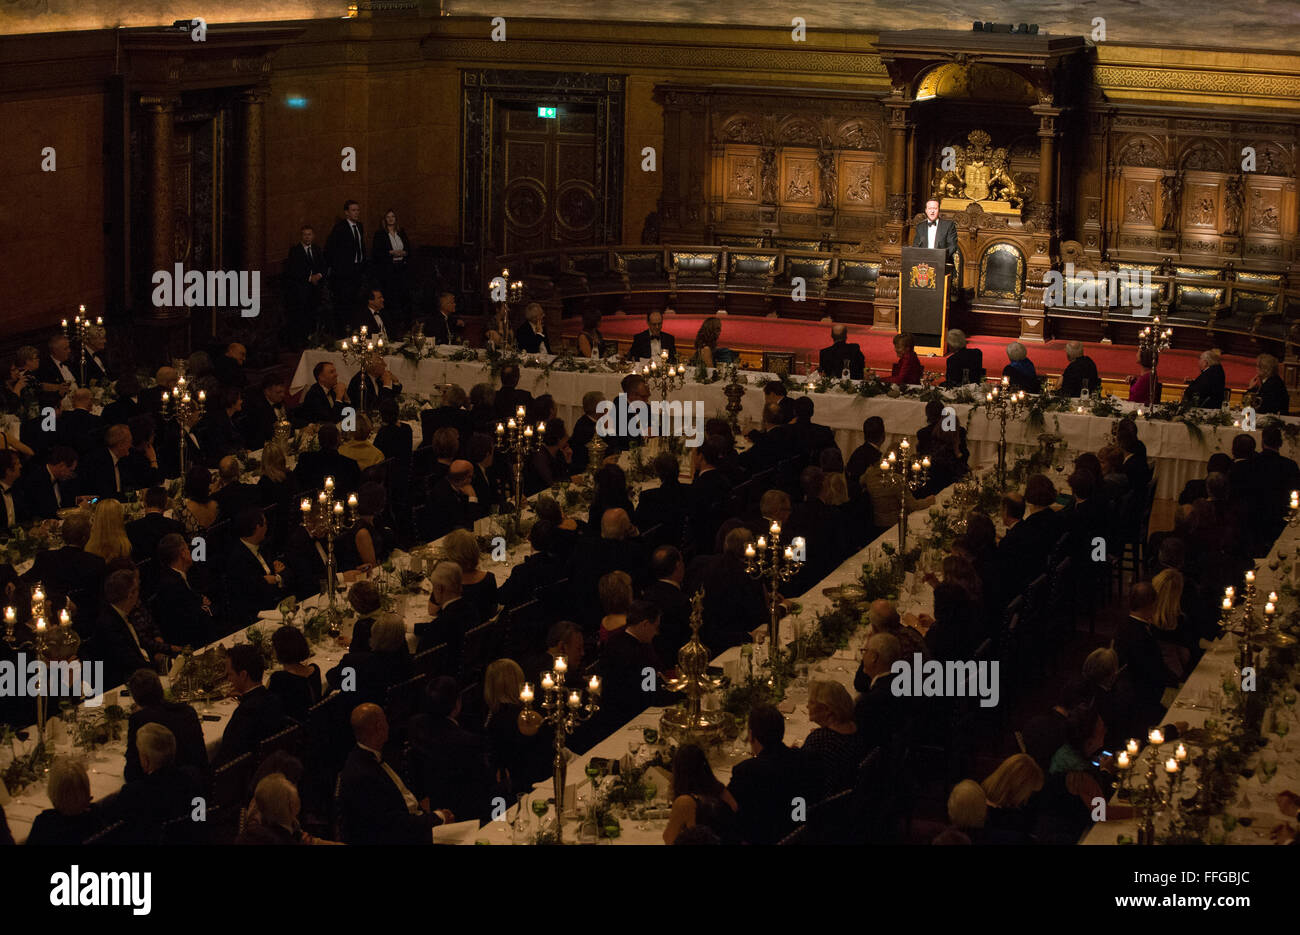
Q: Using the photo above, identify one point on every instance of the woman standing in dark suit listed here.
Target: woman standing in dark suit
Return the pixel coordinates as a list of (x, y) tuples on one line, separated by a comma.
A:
[(391, 252)]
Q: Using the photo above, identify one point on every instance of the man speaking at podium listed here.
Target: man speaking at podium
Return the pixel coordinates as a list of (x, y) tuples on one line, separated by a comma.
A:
[(936, 233)]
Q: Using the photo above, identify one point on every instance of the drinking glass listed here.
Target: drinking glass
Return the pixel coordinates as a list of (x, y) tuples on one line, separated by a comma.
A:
[(1282, 727), (540, 808), (651, 735)]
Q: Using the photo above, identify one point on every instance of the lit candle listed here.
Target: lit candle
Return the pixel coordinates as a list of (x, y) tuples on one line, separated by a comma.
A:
[(11, 615), (40, 624), (1227, 603), (65, 324), (1080, 410), (1272, 597), (749, 550), (575, 700), (776, 529), (904, 445), (1156, 735), (1269, 609), (762, 543), (925, 462), (352, 501), (1122, 761), (1006, 381), (329, 483), (501, 429), (1250, 577), (364, 331), (789, 554), (548, 681), (561, 665), (64, 619), (892, 457), (305, 506), (916, 467), (1131, 747), (1180, 753), (663, 355), (1171, 766), (1229, 591), (528, 431), (526, 694), (166, 397), (798, 542), (99, 319), (520, 413), (38, 595), (594, 685), (884, 465), (203, 395), (338, 508), (1295, 495), (511, 425)]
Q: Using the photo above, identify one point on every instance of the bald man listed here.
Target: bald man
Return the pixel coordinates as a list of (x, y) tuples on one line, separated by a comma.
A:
[(78, 427), (452, 615), (833, 360), (377, 806), (452, 502)]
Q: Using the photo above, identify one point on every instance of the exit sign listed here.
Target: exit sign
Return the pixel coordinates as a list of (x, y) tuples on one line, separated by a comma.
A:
[(547, 112)]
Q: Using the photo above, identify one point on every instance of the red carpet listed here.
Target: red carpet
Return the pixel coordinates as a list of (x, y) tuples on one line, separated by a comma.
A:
[(804, 338)]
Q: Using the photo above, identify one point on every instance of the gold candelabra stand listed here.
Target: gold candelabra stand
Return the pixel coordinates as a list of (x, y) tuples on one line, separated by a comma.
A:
[(692, 723), (333, 516), (1005, 405), (774, 566), (1159, 796), (49, 643), (662, 378), (518, 441), (180, 407), (564, 708), (1154, 339), (78, 330), (363, 349), (903, 470)]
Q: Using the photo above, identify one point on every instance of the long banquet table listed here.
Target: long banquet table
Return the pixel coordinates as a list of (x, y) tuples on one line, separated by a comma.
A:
[(1178, 456)]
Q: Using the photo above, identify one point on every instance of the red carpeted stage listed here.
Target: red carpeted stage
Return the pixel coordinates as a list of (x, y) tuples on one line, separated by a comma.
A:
[(750, 334)]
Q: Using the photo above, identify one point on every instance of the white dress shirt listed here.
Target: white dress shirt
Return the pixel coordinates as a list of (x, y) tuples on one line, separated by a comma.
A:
[(379, 322), (656, 348), (8, 495), (66, 372), (932, 231), (395, 242)]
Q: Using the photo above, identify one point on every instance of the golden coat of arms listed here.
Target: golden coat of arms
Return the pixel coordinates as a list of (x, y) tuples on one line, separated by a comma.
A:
[(923, 276), (977, 173)]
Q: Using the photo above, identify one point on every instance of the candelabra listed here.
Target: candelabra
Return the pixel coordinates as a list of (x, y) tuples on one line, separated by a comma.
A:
[(363, 349), (78, 330), (1154, 340), (564, 709), (49, 643), (774, 566), (662, 378), (179, 407), (514, 288), (331, 516), (735, 393), (692, 722), (905, 472), (596, 449), (1003, 404), (517, 441), (1293, 511), (1157, 798)]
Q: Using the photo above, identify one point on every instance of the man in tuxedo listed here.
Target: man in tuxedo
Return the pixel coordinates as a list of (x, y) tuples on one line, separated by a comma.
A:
[(481, 453), (509, 398), (623, 661), (128, 404), (450, 414), (314, 466), (668, 569), (50, 487), (449, 762), (377, 806), (304, 270), (229, 367), (373, 384), (262, 409), (71, 571), (345, 251), (114, 640), (1080, 371), (181, 719), (13, 507), (443, 325), (453, 616), (1023, 552), (260, 713), (530, 336), (708, 494), (372, 317), (146, 532), (453, 502), (809, 437), (111, 472), (584, 430), (96, 368), (822, 528), (78, 427), (832, 360), (765, 785), (877, 709), (232, 496), (936, 233), (664, 506), (539, 569), (163, 791), (321, 402), (652, 342), (54, 376), (305, 554), (770, 446), (183, 615), (216, 430), (734, 603), (256, 581), (1277, 474)]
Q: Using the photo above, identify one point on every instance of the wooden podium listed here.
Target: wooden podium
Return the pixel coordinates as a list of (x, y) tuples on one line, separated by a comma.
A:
[(923, 298)]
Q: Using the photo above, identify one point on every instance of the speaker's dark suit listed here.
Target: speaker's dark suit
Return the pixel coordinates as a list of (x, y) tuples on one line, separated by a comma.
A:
[(249, 590), (257, 420), (111, 643), (945, 238), (318, 406)]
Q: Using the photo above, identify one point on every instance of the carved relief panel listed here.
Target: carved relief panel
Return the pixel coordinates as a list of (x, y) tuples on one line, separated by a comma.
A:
[(798, 179)]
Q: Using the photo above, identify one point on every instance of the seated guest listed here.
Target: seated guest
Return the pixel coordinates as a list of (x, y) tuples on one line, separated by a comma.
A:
[(591, 343), (273, 815), (71, 571), (373, 384), (510, 397), (550, 463), (564, 638), (765, 785), (394, 438), (1139, 652), (1011, 792), (363, 597), (967, 814), (1141, 389), (708, 493), (885, 496), (216, 430), (377, 806), (865, 455), (1277, 475), (619, 547), (1080, 373), (163, 791), (668, 570), (1020, 371), (479, 587), (615, 590), (1271, 395), (315, 466), (664, 506), (115, 641), (516, 760), (699, 799), (734, 602), (368, 542), (449, 414), (52, 486), (965, 365), (375, 320), (821, 527), (808, 436), (954, 630), (108, 537), (584, 430), (259, 715), (452, 503), (263, 410), (1114, 481), (772, 444), (498, 330), (54, 377), (907, 370), (883, 618), (367, 676), (565, 529), (831, 361), (651, 343), (1023, 552), (542, 567), (256, 581), (1073, 784), (877, 710), (834, 748), (1220, 462), (233, 496), (107, 471), (277, 494), (624, 658), (530, 337), (1135, 466), (78, 427), (72, 818), (610, 494), (707, 352), (229, 367), (482, 408), (443, 325), (321, 402), (444, 445), (13, 505), (453, 616), (152, 707), (448, 763), (835, 491), (1209, 389), (183, 615)]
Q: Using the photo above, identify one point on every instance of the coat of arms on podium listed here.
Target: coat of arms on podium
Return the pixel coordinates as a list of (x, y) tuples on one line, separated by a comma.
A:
[(923, 276)]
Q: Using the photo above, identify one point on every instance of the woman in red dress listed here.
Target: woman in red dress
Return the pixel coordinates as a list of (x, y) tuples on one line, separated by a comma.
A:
[(907, 369)]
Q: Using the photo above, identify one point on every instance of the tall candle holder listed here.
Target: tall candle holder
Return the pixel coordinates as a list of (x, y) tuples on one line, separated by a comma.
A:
[(774, 566), (1005, 405), (1154, 339), (564, 708), (662, 378), (518, 441), (49, 643), (363, 349), (693, 722), (904, 471), (180, 407), (333, 516), (1158, 797), (78, 330)]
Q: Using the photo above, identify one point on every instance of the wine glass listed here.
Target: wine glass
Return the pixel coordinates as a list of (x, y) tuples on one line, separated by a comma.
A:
[(1282, 727), (593, 773), (651, 735), (540, 808), (648, 792), (1275, 562)]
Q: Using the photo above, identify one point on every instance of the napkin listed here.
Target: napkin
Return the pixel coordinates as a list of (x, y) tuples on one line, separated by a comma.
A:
[(460, 832)]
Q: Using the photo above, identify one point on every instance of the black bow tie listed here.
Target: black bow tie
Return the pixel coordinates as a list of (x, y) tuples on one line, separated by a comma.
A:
[(933, 223)]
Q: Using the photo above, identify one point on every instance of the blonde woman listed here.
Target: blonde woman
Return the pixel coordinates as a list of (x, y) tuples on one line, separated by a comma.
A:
[(72, 819), (357, 445), (479, 587), (967, 813), (516, 760), (835, 748), (1009, 792), (615, 591), (108, 537)]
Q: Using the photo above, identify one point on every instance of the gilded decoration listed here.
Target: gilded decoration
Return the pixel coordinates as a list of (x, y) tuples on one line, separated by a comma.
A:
[(1004, 248), (979, 175)]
